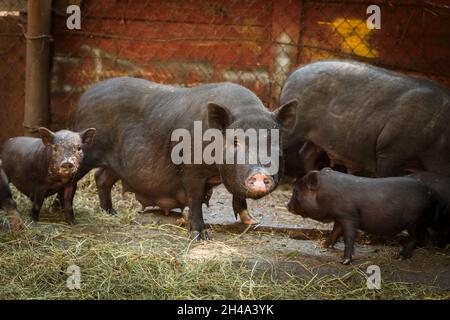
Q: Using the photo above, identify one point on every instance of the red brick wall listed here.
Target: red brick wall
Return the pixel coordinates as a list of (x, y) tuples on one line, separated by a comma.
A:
[(253, 42), (176, 42)]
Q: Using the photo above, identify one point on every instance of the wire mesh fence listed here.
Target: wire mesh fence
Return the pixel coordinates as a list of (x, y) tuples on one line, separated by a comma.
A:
[(256, 43)]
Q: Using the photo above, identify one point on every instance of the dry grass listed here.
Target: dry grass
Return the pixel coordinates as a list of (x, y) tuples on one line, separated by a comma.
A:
[(122, 259)]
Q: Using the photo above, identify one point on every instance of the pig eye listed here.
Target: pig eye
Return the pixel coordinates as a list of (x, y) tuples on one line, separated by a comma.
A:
[(79, 148)]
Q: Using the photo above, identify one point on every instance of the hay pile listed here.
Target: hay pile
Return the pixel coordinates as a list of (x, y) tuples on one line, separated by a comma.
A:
[(122, 259)]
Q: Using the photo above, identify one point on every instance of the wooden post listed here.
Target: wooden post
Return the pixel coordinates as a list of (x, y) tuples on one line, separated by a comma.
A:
[(37, 80)]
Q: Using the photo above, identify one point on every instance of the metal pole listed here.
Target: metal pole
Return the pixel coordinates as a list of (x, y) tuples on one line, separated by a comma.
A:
[(37, 65)]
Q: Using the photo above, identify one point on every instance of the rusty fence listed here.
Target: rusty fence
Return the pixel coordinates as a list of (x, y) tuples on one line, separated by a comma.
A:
[(256, 43)]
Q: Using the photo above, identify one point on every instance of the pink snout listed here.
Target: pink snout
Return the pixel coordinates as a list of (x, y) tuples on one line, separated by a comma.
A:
[(259, 183)]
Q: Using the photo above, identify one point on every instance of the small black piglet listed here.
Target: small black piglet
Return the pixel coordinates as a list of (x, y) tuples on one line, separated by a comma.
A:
[(381, 206)]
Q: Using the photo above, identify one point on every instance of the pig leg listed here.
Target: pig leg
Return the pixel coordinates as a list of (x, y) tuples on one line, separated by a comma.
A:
[(209, 193), (350, 230), (240, 207), (59, 200), (14, 217), (195, 191), (69, 194), (105, 179), (38, 200), (310, 154), (388, 166), (421, 239), (411, 243), (333, 236)]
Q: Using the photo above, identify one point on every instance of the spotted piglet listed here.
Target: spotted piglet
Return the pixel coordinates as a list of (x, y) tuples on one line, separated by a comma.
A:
[(41, 167)]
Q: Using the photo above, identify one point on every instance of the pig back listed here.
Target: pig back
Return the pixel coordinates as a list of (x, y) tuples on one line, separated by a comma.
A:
[(135, 118), (125, 112), (352, 110)]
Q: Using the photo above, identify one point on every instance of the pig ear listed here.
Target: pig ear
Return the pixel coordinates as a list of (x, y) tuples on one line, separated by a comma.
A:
[(87, 136), (218, 117), (287, 114), (46, 135), (312, 180)]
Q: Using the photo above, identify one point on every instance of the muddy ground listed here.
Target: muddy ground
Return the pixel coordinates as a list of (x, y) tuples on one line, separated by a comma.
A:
[(290, 244), (283, 246)]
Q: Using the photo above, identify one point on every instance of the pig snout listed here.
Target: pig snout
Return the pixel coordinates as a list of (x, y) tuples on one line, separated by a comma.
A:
[(67, 165), (293, 206), (67, 168), (259, 183)]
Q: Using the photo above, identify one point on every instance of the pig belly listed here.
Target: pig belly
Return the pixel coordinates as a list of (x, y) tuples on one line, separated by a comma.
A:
[(353, 167), (383, 224), (176, 201)]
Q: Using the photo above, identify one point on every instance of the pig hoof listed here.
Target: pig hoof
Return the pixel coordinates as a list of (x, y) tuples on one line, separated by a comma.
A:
[(6, 225), (16, 224), (247, 218), (71, 222), (195, 236), (325, 244), (205, 235), (346, 261), (402, 256), (111, 211), (199, 235)]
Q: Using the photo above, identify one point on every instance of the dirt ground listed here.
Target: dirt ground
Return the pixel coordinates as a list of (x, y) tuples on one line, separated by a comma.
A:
[(290, 244), (283, 247)]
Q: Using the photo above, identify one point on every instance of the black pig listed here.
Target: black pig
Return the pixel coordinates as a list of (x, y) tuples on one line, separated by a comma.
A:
[(441, 185), (303, 157), (135, 118), (372, 121), (42, 167), (7, 202), (382, 206)]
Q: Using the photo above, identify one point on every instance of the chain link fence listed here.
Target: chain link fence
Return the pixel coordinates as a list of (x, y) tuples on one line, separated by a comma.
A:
[(256, 43)]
